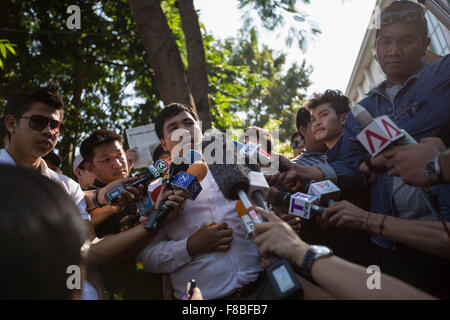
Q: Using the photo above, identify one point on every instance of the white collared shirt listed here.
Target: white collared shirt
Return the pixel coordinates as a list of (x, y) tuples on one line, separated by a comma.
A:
[(71, 187), (217, 273)]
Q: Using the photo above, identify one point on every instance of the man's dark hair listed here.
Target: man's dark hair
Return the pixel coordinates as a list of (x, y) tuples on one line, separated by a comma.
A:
[(295, 135), (262, 135), (40, 236), (22, 101), (159, 152), (169, 112), (303, 118), (394, 11), (97, 138), (52, 157), (339, 102)]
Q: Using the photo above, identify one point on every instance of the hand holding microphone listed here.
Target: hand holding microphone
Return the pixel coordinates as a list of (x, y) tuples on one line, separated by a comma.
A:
[(277, 237), (410, 162), (189, 182)]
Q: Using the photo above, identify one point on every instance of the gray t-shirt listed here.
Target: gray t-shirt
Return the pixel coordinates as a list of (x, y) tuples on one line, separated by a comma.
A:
[(408, 201)]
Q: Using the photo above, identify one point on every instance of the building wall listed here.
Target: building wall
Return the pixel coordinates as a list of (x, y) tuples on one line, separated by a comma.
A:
[(367, 73)]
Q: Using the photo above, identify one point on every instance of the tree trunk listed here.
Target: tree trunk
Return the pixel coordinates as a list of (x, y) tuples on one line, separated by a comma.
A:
[(163, 52), (197, 75)]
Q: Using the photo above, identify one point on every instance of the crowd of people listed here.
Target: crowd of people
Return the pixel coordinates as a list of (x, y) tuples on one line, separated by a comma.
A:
[(393, 210)]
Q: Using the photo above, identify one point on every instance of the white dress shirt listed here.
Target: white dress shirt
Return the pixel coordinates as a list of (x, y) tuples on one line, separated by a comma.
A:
[(69, 185), (217, 273)]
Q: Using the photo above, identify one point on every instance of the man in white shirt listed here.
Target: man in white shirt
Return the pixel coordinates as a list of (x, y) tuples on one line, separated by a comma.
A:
[(206, 241)]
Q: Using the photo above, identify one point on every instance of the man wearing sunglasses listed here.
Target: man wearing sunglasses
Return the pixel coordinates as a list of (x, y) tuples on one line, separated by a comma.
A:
[(297, 143)]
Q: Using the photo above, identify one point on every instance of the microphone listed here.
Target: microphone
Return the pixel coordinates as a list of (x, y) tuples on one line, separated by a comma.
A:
[(162, 166), (254, 151), (247, 222), (259, 189), (299, 204), (379, 133), (234, 183), (326, 191), (156, 192), (188, 181), (149, 174)]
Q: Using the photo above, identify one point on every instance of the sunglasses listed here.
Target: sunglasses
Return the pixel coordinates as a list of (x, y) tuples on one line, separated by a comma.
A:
[(296, 143), (39, 123), (405, 17)]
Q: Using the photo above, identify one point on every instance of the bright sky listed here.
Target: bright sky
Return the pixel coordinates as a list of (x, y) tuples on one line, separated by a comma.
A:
[(332, 55)]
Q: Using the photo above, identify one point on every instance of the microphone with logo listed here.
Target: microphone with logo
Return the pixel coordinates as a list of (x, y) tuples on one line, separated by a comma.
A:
[(233, 182), (379, 133), (254, 154), (189, 182), (148, 175), (325, 191), (320, 195)]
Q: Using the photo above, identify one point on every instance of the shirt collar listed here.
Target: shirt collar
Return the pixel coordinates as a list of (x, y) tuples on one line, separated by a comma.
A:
[(416, 75), (6, 158)]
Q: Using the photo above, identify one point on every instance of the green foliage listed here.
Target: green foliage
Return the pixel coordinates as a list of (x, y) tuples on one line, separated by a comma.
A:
[(105, 76), (93, 66), (5, 46), (269, 93), (273, 15)]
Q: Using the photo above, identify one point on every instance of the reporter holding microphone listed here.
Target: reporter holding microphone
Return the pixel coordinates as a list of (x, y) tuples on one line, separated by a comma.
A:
[(339, 278)]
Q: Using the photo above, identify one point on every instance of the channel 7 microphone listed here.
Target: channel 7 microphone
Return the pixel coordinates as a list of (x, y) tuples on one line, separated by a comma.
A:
[(189, 182), (326, 191), (148, 175), (379, 133), (233, 182)]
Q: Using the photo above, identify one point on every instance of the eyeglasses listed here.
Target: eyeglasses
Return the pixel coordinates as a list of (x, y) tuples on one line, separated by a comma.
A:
[(296, 143), (39, 123), (408, 16)]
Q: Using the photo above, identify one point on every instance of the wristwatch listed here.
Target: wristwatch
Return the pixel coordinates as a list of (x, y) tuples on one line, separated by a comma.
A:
[(433, 170), (312, 254)]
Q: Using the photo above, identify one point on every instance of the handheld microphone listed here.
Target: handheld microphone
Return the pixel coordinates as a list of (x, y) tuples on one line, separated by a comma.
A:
[(326, 191), (149, 174), (379, 133), (233, 182), (162, 166), (259, 189), (247, 222), (188, 181), (298, 204)]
